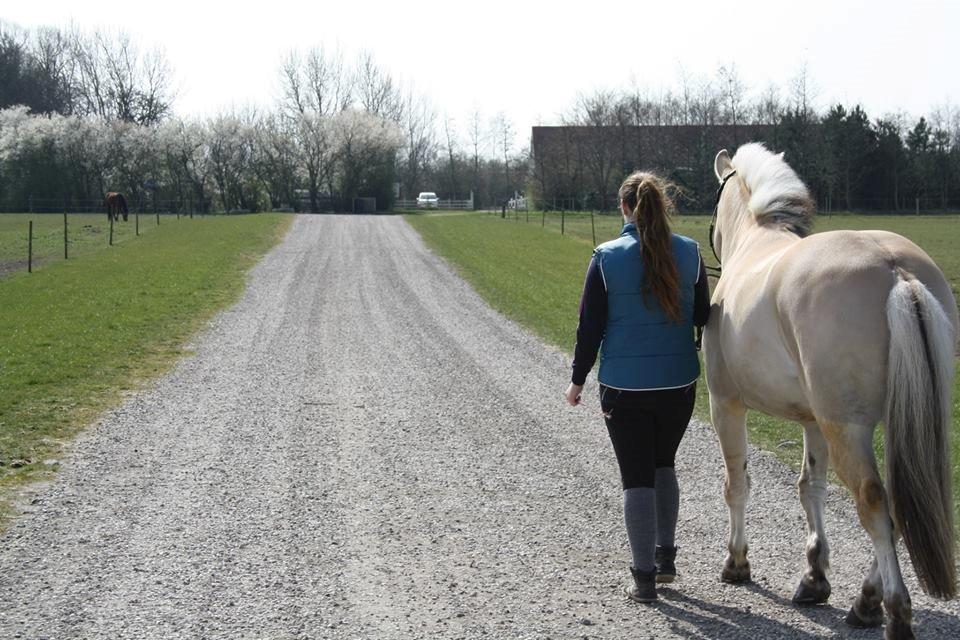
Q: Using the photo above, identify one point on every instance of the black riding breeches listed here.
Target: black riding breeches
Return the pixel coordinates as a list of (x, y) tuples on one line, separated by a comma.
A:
[(645, 428)]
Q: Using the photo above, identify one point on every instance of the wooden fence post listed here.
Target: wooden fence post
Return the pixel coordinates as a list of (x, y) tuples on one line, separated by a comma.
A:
[(65, 240), (593, 229), (543, 218), (136, 221), (562, 221), (111, 231), (30, 248)]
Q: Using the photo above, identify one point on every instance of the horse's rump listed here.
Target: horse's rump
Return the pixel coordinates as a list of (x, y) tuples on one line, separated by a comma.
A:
[(832, 291)]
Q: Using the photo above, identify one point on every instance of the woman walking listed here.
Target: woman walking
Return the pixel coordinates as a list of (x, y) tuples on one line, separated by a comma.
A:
[(644, 293)]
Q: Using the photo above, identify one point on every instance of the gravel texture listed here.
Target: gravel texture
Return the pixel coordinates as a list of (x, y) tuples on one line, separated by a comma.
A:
[(362, 448)]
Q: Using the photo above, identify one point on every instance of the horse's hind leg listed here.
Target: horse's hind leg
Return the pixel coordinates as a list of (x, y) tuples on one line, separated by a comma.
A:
[(852, 454), (729, 420), (814, 588)]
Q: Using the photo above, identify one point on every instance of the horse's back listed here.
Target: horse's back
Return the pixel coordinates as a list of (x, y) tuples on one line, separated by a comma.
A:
[(857, 268), (831, 292)]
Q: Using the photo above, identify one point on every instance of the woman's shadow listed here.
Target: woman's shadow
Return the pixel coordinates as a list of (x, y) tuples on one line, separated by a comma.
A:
[(694, 618)]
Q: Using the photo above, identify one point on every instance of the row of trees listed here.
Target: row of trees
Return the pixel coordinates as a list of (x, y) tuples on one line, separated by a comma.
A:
[(84, 113), (849, 160), (241, 161), (71, 72), (96, 115)]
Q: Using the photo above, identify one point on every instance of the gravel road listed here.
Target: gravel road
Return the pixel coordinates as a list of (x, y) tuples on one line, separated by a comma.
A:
[(361, 448)]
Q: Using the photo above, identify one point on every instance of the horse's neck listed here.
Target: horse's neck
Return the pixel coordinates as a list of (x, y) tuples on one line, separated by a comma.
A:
[(752, 241)]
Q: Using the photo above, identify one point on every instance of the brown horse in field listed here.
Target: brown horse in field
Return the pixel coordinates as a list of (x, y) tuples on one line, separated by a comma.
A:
[(116, 205)]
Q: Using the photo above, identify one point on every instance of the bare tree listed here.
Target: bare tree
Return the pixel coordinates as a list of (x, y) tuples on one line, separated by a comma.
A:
[(113, 79), (328, 81), (376, 90), (597, 111), (704, 103), (768, 107), (153, 101), (51, 53), (316, 82), (450, 138), (420, 140), (475, 133), (292, 98), (803, 93), (732, 91)]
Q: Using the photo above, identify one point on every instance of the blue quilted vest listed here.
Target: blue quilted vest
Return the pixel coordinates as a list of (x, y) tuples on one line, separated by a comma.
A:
[(642, 349)]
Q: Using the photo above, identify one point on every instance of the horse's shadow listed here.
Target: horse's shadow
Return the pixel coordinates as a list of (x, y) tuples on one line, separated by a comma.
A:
[(694, 618)]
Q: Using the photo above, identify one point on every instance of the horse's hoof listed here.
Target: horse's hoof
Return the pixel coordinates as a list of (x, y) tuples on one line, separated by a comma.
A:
[(812, 592), (735, 574), (868, 619)]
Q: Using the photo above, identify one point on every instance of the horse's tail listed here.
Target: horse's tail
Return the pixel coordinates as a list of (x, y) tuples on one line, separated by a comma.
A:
[(919, 383)]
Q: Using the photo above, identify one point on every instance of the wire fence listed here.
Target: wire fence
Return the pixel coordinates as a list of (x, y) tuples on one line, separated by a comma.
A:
[(599, 226), (596, 226), (32, 240), (35, 204)]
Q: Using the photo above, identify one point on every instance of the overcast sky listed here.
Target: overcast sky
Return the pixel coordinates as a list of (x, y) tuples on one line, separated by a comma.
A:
[(530, 62)]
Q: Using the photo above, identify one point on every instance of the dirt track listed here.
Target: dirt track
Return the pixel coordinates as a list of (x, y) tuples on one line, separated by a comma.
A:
[(361, 448)]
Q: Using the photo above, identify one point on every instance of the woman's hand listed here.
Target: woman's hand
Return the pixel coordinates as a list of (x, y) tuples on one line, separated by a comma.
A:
[(572, 394)]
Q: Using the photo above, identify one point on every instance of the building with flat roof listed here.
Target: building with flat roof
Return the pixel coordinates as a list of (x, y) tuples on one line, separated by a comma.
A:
[(581, 167)]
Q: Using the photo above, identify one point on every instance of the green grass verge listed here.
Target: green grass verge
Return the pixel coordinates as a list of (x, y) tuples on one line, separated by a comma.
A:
[(531, 273), (86, 233), (78, 333)]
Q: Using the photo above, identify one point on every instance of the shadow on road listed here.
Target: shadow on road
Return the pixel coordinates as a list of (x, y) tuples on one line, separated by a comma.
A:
[(695, 618)]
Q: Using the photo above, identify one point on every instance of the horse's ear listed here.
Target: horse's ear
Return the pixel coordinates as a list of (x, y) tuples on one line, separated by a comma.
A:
[(722, 165)]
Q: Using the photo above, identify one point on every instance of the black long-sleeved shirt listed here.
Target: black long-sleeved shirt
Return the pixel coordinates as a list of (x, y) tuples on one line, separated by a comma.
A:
[(593, 317)]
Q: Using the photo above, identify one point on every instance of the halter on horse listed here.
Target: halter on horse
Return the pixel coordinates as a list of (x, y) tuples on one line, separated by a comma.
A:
[(116, 205), (837, 331)]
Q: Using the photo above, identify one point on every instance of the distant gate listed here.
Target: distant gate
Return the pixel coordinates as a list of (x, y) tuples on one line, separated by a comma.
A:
[(464, 205)]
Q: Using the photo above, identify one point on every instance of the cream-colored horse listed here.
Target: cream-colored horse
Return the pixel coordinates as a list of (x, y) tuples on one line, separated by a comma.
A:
[(837, 331)]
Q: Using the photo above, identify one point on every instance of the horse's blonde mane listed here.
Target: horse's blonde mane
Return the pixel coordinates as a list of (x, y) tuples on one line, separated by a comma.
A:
[(777, 195)]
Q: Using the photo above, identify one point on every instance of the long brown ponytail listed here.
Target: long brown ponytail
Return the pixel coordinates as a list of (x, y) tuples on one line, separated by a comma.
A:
[(646, 196)]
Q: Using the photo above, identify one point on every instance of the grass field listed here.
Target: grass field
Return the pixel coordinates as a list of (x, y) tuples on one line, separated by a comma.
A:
[(78, 333), (86, 233), (533, 274)]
